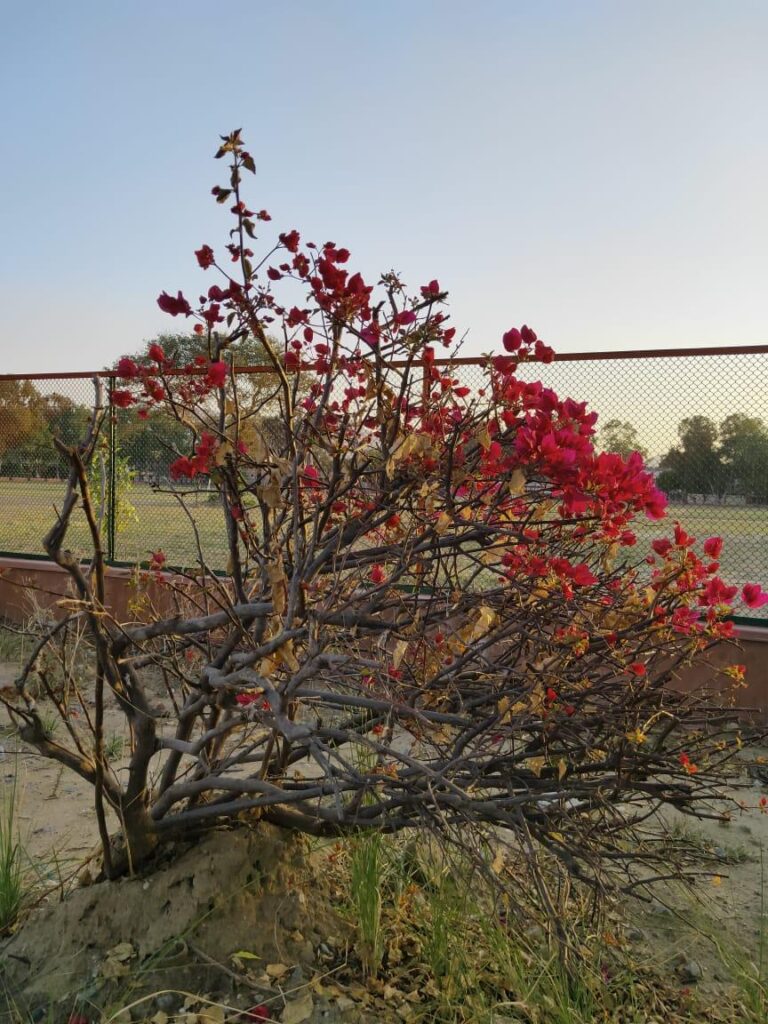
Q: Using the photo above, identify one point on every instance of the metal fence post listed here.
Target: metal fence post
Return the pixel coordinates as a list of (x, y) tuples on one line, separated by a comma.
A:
[(111, 483)]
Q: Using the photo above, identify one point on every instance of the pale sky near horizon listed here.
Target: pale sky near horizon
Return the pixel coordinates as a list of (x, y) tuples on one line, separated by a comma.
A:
[(596, 169)]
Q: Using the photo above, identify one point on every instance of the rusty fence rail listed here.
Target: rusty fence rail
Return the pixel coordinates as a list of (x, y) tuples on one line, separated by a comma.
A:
[(699, 415)]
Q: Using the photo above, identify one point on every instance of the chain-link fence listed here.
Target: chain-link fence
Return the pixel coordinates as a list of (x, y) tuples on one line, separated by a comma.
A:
[(700, 417)]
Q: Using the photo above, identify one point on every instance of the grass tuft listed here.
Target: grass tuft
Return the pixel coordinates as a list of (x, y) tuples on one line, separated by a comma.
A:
[(11, 871)]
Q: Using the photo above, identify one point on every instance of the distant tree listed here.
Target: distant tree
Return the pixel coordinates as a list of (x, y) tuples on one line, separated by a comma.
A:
[(245, 350), (744, 455), (20, 420), (620, 437), (150, 445), (694, 466), (66, 419), (182, 349)]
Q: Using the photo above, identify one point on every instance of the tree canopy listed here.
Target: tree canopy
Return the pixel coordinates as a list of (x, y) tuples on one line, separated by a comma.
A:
[(621, 437), (731, 458)]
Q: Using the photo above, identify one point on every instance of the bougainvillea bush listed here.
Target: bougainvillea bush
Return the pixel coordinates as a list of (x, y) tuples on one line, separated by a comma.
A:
[(431, 617)]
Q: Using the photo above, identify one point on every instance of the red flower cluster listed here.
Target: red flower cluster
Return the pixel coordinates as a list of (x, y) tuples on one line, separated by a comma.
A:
[(174, 306), (199, 464)]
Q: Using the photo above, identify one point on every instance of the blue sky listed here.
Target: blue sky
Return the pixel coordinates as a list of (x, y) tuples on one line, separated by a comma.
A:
[(596, 169)]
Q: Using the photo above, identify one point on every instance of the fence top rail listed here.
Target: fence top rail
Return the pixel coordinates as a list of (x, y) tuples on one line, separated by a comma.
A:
[(560, 357)]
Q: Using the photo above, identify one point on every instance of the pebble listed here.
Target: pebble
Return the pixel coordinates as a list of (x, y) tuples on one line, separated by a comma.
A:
[(297, 978), (691, 971), (168, 1002)]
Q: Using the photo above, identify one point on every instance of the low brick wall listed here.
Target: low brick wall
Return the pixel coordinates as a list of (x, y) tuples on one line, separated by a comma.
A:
[(28, 584)]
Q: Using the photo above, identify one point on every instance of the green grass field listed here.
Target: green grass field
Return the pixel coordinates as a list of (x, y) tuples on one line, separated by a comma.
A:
[(27, 512)]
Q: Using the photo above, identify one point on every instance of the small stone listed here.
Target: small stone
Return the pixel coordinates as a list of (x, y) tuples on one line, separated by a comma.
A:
[(691, 971), (297, 978), (168, 1002)]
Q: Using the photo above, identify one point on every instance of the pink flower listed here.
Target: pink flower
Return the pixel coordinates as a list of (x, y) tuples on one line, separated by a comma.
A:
[(431, 290), (753, 595), (260, 1012), (127, 368), (157, 559), (405, 317), (512, 340), (205, 256), (376, 575), (716, 592), (217, 374), (683, 539), (713, 546), (182, 467), (662, 547), (156, 353), (291, 240), (370, 335), (122, 399), (244, 699), (504, 364), (637, 668), (543, 352), (173, 306)]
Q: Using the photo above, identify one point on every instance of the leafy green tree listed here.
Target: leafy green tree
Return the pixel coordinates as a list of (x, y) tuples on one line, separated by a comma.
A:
[(744, 455), (150, 445), (65, 418), (621, 437), (182, 349), (694, 466), (20, 419)]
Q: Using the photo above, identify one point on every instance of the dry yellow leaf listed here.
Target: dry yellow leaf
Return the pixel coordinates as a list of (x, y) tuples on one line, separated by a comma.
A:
[(536, 764), (442, 523), (517, 482), (223, 450), (277, 970), (484, 438), (497, 865), (399, 652)]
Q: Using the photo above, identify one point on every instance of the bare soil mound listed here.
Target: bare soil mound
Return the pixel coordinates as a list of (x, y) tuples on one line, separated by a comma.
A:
[(252, 890)]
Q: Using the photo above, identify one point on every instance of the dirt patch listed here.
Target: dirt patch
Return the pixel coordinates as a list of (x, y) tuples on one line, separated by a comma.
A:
[(252, 890), (258, 891), (719, 926)]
